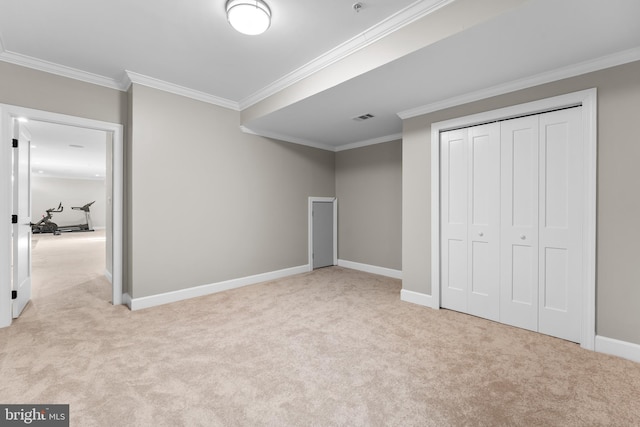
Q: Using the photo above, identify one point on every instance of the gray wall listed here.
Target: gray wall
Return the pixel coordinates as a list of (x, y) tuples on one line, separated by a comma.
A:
[(189, 157), (48, 192), (618, 206), (209, 203), (369, 191), (35, 89), (204, 202)]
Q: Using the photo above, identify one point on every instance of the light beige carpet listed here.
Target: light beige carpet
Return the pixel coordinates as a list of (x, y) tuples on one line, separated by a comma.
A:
[(334, 347)]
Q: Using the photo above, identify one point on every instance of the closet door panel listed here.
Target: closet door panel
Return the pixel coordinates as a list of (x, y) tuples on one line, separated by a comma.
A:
[(524, 285), (556, 280), (519, 227), (484, 220), (454, 217), (561, 201)]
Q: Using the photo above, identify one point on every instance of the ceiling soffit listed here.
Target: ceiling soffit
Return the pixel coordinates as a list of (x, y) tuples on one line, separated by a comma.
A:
[(445, 20)]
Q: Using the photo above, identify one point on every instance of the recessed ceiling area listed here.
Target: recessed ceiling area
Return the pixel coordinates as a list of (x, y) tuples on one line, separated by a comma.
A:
[(61, 151), (191, 46), (542, 36)]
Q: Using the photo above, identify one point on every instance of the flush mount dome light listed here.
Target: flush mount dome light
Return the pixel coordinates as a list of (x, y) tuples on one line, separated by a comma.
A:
[(250, 17)]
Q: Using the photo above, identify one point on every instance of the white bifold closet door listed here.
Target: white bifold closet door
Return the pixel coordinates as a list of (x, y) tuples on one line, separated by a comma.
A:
[(562, 206), (519, 226), (471, 210), (512, 199)]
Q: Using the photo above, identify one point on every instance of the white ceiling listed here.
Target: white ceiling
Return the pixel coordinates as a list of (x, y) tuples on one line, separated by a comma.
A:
[(191, 45), (185, 43), (67, 151), (541, 39)]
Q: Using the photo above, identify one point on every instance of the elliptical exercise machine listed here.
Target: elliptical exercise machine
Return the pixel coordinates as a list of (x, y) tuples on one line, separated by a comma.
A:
[(45, 225)]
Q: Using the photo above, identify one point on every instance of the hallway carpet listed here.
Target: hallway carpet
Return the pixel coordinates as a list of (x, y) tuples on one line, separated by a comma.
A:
[(334, 347)]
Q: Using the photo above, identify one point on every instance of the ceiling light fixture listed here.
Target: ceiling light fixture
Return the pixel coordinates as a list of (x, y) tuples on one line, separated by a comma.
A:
[(251, 17)]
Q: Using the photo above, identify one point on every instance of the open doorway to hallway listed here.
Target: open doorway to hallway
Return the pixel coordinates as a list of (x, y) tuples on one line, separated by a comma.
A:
[(15, 247), (70, 196)]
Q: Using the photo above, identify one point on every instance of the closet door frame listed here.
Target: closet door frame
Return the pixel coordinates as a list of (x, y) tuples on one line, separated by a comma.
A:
[(588, 100)]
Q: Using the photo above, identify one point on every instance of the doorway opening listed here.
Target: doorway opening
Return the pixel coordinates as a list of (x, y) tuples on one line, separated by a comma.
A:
[(70, 173), (107, 221), (323, 232)]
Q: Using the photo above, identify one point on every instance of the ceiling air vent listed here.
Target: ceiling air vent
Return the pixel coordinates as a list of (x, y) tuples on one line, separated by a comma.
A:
[(363, 117)]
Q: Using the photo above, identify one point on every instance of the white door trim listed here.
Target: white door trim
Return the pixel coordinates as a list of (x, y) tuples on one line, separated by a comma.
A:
[(335, 228), (7, 112), (588, 100)]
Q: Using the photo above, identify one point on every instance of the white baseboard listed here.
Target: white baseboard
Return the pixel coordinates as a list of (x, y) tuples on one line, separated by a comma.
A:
[(198, 291), (618, 348), (109, 276), (416, 298), (605, 345), (611, 346), (382, 271)]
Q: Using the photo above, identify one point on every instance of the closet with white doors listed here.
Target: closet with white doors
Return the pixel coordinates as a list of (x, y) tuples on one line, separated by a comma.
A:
[(511, 221)]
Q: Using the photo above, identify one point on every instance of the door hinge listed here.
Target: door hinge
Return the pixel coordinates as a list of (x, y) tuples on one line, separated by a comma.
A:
[(14, 143), (14, 219), (14, 294)]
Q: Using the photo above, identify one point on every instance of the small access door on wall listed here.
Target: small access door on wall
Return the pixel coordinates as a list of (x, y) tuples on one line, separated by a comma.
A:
[(323, 236)]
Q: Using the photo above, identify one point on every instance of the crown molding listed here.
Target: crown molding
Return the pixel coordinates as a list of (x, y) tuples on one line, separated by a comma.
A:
[(404, 17), (287, 138), (132, 77), (57, 69), (409, 14), (585, 67), (320, 145), (374, 141), (122, 84)]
